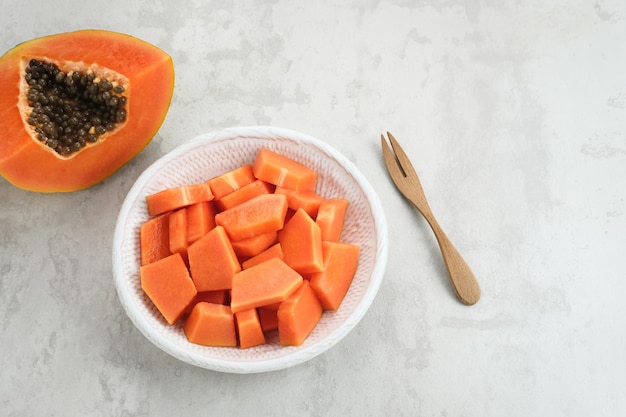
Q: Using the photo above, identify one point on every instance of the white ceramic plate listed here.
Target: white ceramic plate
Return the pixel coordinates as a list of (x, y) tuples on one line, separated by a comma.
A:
[(217, 152)]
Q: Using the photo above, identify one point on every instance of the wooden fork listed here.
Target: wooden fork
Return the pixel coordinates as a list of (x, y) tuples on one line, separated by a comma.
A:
[(404, 176)]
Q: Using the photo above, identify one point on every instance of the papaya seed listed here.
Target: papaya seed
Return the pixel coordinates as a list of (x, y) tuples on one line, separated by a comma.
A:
[(79, 105)]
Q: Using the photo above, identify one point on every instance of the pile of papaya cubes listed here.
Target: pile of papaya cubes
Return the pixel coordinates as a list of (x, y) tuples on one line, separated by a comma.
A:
[(248, 252)]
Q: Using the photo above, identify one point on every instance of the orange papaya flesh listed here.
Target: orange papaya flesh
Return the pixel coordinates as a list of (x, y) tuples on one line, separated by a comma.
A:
[(330, 218), (169, 286), (252, 246), (298, 315), (212, 261), (266, 283), (340, 264), (243, 194), (214, 297), (274, 251), (262, 214), (282, 171), (301, 241), (200, 220), (249, 328), (309, 200), (230, 181), (154, 239), (211, 325), (178, 232), (273, 306), (268, 318), (39, 155), (178, 197)]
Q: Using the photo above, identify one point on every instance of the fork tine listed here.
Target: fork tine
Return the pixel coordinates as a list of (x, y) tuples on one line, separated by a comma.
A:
[(401, 157), (394, 167), (387, 152)]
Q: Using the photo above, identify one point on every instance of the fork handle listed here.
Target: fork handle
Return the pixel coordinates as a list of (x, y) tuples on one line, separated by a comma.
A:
[(463, 280)]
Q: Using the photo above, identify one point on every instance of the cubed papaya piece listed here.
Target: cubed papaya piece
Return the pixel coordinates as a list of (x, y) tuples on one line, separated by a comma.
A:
[(262, 214), (214, 297), (298, 315), (268, 318), (254, 245), (177, 197), (301, 241), (245, 193), (330, 218), (249, 329), (274, 251), (178, 232), (273, 306), (340, 265), (212, 261), (266, 283), (283, 171), (308, 200), (200, 220), (211, 325), (230, 181), (155, 239), (168, 285)]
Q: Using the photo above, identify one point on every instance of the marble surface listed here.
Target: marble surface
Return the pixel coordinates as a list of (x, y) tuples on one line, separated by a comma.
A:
[(514, 114)]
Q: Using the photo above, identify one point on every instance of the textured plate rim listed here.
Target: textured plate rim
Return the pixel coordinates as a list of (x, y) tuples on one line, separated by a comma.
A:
[(298, 356)]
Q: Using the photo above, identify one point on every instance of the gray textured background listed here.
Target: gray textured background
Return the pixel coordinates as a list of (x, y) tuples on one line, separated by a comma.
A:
[(515, 116)]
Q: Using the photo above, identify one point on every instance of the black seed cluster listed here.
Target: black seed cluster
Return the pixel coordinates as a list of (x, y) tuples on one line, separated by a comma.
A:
[(71, 109)]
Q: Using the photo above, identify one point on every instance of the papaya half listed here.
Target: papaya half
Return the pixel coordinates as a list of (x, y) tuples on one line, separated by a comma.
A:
[(77, 106)]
